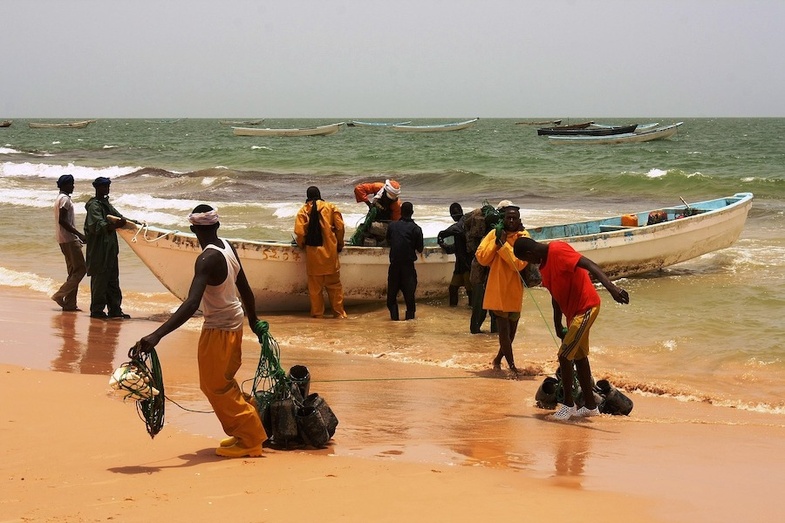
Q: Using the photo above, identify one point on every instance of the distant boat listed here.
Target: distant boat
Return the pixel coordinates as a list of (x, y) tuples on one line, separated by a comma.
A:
[(170, 120), (642, 127), (60, 125), (657, 133), (6, 123), (456, 126), (276, 269), (358, 123), (541, 122), (322, 130), (240, 122), (590, 130)]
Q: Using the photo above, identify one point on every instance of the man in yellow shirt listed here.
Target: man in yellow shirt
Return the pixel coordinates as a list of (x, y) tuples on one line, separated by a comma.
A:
[(319, 230), (504, 288)]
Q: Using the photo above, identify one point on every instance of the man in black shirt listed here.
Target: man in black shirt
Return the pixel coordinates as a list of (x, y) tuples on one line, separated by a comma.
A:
[(405, 240)]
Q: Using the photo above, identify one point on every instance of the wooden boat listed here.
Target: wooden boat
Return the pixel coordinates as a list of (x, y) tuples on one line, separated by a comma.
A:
[(541, 122), (358, 123), (589, 131), (580, 125), (322, 130), (276, 270), (687, 231), (60, 125), (240, 122), (455, 126), (6, 123), (657, 133), (170, 120)]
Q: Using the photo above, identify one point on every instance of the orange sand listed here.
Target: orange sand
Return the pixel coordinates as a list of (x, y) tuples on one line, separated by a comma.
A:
[(459, 448)]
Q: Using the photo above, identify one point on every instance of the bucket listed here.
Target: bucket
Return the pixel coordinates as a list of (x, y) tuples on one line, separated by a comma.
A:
[(613, 400), (283, 421), (629, 220), (301, 377)]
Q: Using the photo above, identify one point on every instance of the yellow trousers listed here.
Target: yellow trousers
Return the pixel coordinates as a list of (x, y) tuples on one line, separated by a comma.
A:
[(316, 287), (219, 357)]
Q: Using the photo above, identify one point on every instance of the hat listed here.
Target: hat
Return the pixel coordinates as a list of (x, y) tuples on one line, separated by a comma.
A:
[(101, 180), (506, 203), (392, 188), (65, 179)]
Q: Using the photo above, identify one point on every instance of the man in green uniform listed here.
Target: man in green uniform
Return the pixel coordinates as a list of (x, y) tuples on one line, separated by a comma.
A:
[(102, 250)]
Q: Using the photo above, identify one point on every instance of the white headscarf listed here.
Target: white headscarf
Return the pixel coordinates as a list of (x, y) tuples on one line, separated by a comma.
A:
[(204, 218)]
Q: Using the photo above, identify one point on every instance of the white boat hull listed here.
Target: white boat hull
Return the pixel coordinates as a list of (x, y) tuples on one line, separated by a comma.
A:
[(276, 270), (322, 130), (458, 126)]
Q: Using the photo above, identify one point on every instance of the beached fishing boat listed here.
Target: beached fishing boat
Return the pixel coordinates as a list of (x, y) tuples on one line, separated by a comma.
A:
[(276, 270), (358, 123), (454, 126), (60, 125), (322, 130), (6, 123), (240, 122), (658, 133)]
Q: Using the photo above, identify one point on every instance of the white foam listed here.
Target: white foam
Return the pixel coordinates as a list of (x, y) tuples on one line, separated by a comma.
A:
[(42, 170)]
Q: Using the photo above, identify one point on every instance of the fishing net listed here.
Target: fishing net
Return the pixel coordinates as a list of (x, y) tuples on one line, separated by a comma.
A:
[(141, 379), (362, 229), (270, 382)]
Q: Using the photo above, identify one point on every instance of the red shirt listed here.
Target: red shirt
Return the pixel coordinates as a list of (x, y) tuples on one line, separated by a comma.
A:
[(569, 285)]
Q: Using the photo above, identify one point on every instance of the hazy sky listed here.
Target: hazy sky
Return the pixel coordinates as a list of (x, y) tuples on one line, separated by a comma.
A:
[(394, 58)]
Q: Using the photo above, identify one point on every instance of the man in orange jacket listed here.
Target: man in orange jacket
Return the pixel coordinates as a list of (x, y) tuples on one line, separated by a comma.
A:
[(504, 288)]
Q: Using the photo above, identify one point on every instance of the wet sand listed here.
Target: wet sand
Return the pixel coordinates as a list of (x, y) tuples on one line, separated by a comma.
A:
[(414, 442)]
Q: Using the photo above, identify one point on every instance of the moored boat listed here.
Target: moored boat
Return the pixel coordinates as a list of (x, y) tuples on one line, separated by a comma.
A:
[(658, 133), (276, 270), (6, 123), (591, 130), (240, 122), (541, 122), (454, 126), (548, 130), (359, 123), (322, 130), (60, 125)]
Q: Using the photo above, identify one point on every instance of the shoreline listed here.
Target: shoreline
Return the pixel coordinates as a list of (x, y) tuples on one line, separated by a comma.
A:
[(475, 444)]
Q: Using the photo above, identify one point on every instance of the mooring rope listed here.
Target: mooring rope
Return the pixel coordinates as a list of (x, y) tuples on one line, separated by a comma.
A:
[(144, 228)]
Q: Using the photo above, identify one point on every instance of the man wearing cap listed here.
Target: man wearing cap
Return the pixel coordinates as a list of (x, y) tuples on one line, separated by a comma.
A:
[(382, 196), (221, 287), (70, 240), (504, 288), (319, 230), (102, 251)]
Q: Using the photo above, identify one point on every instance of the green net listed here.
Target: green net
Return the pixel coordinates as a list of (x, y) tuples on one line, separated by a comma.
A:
[(362, 229), (270, 381)]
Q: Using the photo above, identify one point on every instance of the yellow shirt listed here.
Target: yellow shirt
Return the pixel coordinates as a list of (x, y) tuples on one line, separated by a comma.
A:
[(504, 288), (323, 260)]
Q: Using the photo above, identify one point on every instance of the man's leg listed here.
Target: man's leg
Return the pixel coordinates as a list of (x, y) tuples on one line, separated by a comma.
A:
[(315, 284), (335, 292), (393, 285), (409, 289)]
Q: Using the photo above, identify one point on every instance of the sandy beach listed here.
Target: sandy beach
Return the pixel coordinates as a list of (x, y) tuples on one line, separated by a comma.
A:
[(414, 443)]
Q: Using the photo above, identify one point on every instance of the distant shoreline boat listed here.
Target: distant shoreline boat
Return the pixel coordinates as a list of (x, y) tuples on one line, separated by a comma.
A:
[(322, 130), (658, 133), (359, 123), (455, 126), (6, 123), (60, 125), (170, 120), (240, 122)]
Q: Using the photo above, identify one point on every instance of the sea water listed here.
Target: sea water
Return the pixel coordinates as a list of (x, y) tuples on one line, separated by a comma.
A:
[(706, 330)]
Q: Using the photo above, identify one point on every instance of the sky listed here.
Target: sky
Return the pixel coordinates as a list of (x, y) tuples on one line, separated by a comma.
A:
[(367, 59)]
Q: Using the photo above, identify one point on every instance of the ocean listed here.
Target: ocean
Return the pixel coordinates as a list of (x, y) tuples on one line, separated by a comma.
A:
[(706, 330)]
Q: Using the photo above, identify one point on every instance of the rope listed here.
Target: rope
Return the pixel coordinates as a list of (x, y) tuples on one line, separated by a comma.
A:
[(144, 228)]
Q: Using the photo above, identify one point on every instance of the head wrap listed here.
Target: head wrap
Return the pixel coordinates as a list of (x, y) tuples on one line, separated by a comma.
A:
[(392, 188), (101, 180), (204, 218), (65, 179)]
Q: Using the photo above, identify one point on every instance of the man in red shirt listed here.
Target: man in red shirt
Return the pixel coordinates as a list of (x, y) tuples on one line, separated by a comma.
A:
[(565, 273)]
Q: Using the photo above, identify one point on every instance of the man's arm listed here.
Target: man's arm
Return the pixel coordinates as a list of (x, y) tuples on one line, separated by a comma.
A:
[(619, 294), (557, 316)]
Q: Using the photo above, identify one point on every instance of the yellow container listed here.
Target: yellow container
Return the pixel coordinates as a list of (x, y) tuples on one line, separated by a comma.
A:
[(629, 220)]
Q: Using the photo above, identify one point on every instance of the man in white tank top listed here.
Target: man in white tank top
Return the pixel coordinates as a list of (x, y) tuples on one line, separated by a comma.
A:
[(218, 278), (70, 240)]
